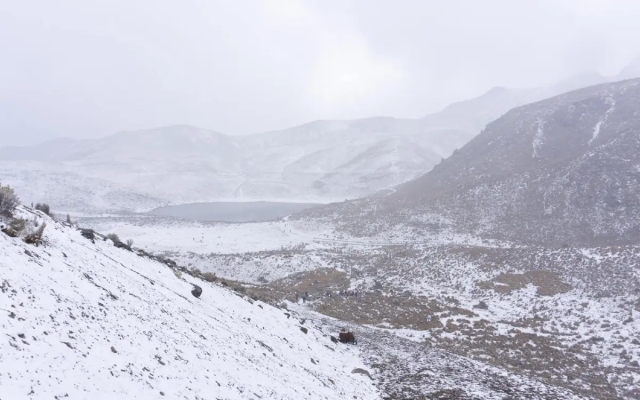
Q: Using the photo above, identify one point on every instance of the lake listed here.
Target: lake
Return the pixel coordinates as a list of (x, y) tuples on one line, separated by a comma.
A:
[(251, 211)]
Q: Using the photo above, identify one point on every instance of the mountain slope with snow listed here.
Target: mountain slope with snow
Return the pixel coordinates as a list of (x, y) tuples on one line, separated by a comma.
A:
[(84, 319), (560, 171)]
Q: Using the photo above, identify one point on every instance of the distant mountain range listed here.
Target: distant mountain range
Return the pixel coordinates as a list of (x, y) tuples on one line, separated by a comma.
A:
[(321, 161), (562, 171)]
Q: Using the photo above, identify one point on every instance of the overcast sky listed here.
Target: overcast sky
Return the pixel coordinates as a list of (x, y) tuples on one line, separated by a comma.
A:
[(80, 68)]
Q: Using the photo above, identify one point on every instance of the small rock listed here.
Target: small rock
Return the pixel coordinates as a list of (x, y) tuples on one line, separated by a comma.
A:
[(197, 291), (362, 372), (334, 339), (304, 330), (113, 350), (161, 393)]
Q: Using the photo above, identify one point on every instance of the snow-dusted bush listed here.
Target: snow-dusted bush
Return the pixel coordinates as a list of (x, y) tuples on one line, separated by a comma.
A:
[(114, 238), (8, 201), (129, 242), (209, 277), (15, 227), (36, 235), (44, 207)]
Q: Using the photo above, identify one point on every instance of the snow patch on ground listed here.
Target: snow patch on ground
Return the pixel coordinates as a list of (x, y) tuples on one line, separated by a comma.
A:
[(596, 129)]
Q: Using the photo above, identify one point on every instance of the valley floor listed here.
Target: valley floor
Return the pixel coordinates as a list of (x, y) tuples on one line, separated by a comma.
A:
[(565, 320)]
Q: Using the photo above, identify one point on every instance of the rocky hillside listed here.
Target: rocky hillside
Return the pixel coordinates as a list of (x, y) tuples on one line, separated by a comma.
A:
[(561, 171), (82, 318)]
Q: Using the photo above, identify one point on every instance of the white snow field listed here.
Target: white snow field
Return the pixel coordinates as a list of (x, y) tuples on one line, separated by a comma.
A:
[(86, 320)]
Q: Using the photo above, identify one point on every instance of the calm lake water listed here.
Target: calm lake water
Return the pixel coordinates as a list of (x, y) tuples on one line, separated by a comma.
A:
[(252, 211)]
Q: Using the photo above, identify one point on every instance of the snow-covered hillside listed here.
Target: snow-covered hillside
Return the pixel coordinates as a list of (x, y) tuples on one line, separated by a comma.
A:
[(84, 319)]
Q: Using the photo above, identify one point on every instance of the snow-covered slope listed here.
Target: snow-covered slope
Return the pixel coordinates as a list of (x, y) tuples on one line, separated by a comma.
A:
[(83, 319)]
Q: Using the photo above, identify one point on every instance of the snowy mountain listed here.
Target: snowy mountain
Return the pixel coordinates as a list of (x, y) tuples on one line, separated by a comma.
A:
[(84, 319), (561, 171), (474, 114), (317, 162)]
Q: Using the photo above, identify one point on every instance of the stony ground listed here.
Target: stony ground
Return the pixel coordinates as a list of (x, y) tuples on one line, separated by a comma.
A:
[(410, 369), (565, 317)]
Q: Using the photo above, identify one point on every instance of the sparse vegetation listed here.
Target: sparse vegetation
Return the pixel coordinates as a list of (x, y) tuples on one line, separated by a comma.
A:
[(129, 242), (36, 236), (177, 273), (18, 225), (44, 207), (114, 238), (209, 277), (15, 227), (8, 201), (68, 219)]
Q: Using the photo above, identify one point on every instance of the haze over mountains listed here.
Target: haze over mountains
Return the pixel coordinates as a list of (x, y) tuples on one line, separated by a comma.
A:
[(321, 161)]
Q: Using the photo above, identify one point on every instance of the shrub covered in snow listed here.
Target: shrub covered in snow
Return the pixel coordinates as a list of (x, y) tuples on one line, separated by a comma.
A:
[(114, 238), (35, 236), (44, 207), (8, 201)]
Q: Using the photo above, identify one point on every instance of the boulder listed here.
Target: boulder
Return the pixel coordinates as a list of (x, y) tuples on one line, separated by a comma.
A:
[(88, 233), (197, 291)]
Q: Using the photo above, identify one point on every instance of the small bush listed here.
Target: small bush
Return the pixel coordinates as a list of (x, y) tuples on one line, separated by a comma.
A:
[(35, 237), (209, 277), (68, 219), (129, 242), (15, 227), (114, 238), (177, 273), (18, 225), (44, 207), (8, 201), (482, 305)]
